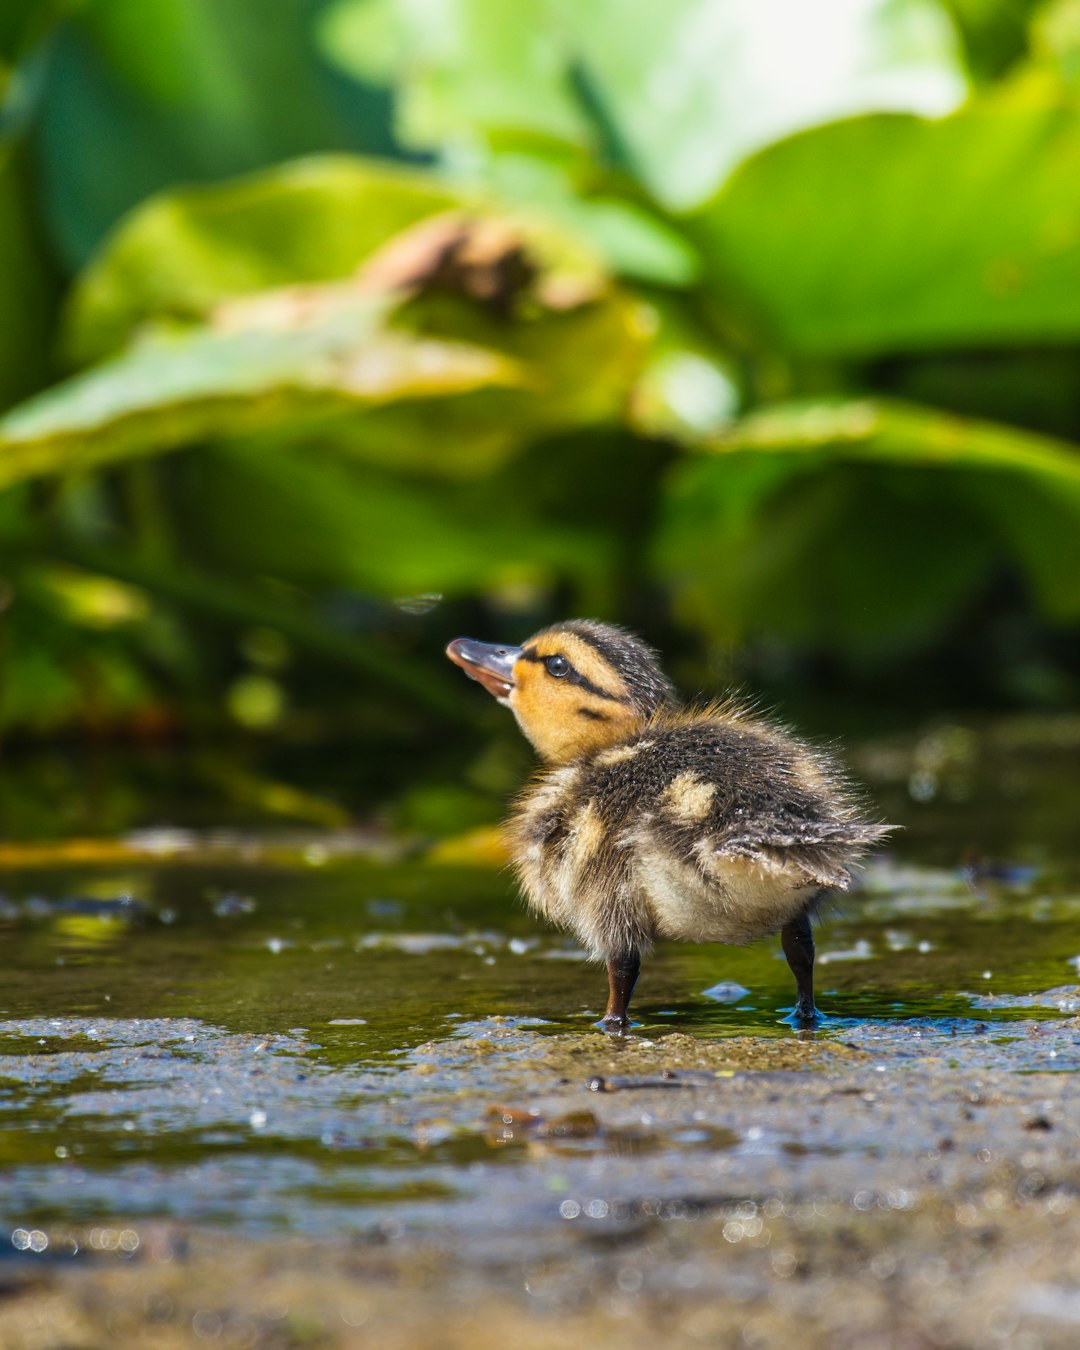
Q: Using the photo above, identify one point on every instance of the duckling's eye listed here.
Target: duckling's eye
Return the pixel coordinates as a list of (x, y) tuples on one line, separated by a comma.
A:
[(557, 666)]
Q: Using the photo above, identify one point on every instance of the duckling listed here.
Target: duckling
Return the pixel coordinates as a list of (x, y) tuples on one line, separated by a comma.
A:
[(650, 821)]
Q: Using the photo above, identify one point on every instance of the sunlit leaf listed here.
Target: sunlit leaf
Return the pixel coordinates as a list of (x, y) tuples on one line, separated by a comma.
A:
[(893, 234), (183, 253), (679, 92), (169, 391), (470, 66), (1055, 39), (905, 434), (692, 87)]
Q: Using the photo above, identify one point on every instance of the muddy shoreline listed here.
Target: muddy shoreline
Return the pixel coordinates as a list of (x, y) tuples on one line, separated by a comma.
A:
[(909, 1186)]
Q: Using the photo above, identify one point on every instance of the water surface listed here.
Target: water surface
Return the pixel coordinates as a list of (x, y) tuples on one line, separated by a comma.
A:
[(298, 1036)]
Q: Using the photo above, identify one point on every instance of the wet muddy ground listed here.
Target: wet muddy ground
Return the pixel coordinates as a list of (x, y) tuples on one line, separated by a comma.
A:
[(284, 1093)]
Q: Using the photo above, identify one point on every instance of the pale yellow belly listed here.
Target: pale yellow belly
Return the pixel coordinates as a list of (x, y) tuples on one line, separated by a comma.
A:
[(739, 902)]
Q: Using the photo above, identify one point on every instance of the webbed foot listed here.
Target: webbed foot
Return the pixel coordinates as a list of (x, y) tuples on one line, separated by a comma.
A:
[(804, 1017)]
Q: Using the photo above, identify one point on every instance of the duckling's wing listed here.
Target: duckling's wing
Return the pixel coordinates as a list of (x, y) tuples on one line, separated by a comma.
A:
[(809, 852)]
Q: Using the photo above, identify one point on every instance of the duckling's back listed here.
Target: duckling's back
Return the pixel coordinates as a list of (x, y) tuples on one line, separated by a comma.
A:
[(707, 827)]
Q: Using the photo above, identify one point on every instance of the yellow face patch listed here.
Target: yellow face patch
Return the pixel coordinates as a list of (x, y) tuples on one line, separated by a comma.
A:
[(584, 660), (567, 698)]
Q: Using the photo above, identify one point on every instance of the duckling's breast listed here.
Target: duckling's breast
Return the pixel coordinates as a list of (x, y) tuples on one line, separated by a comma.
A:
[(705, 831)]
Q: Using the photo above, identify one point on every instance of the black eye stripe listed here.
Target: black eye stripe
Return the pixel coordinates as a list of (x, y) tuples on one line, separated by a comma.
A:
[(572, 676)]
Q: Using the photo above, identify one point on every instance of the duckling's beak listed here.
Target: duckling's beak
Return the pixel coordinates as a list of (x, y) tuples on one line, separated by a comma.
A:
[(491, 666)]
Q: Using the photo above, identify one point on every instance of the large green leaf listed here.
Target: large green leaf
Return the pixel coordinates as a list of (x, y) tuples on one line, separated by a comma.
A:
[(466, 67), (581, 367), (887, 234), (691, 87), (447, 385), (906, 434), (863, 525), (182, 253), (678, 93), (208, 383)]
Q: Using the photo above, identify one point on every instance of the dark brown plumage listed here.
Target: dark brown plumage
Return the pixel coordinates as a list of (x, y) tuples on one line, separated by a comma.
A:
[(649, 821)]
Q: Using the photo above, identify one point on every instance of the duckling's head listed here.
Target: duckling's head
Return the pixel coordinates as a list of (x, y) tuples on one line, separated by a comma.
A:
[(574, 688)]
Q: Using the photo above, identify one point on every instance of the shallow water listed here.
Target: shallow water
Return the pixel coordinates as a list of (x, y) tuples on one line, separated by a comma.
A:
[(243, 1024), (295, 1036)]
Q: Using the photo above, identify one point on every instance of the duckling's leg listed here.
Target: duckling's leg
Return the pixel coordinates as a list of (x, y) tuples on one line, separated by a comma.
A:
[(622, 976), (797, 939)]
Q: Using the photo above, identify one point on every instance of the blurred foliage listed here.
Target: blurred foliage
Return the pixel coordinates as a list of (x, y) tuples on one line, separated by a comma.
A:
[(333, 327)]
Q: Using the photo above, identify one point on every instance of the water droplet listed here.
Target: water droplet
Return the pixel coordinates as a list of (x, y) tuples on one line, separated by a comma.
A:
[(727, 991), (230, 906), (206, 1324)]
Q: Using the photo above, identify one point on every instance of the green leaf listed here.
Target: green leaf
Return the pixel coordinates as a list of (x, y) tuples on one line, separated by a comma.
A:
[(692, 87), (578, 366), (1055, 39), (448, 386), (906, 434), (862, 526), (466, 67), (305, 370), (892, 234), (147, 93), (675, 93), (184, 252)]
